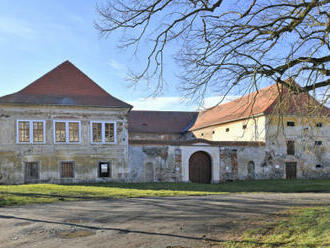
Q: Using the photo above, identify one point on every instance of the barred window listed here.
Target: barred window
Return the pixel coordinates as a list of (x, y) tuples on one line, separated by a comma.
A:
[(30, 131), (67, 131), (103, 132), (67, 170)]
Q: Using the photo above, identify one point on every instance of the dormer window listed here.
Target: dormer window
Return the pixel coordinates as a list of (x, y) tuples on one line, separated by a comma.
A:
[(319, 124), (290, 124), (227, 130), (318, 143), (244, 126)]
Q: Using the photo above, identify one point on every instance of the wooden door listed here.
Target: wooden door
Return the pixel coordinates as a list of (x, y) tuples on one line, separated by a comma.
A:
[(291, 170), (31, 172), (200, 170)]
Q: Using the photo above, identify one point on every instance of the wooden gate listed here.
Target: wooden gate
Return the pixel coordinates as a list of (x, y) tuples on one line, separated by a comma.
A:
[(31, 172), (200, 168), (291, 170)]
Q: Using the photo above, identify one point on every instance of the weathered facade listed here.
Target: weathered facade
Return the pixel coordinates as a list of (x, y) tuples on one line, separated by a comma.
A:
[(64, 128), (63, 140)]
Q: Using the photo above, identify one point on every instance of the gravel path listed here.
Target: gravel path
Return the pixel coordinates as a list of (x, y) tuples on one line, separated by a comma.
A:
[(202, 221)]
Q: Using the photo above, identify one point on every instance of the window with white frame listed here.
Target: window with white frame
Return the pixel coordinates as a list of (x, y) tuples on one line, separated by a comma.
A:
[(66, 131), (103, 132), (31, 131)]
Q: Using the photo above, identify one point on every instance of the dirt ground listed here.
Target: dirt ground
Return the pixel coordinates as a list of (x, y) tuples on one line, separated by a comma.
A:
[(176, 222)]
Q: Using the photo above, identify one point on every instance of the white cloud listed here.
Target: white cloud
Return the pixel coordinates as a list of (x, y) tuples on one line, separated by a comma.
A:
[(175, 103), (118, 68), (14, 26)]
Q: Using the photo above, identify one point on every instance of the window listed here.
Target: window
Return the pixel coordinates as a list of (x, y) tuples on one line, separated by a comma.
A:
[(290, 124), (104, 169), (30, 131), (318, 166), (67, 170), (318, 143), (67, 131), (227, 130), (290, 147), (31, 171), (244, 126), (319, 124), (213, 132), (103, 132)]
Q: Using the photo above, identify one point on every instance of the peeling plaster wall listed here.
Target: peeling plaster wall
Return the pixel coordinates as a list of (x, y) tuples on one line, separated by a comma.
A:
[(85, 155), (155, 163), (304, 134)]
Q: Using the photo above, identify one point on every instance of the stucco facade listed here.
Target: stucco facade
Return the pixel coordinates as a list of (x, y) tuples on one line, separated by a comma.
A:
[(64, 128), (49, 155)]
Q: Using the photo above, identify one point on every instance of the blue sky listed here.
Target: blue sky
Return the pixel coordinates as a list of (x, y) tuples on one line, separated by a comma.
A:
[(37, 35)]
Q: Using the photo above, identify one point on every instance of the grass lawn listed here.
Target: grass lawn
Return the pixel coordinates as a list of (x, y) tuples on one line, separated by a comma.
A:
[(45, 193), (303, 228)]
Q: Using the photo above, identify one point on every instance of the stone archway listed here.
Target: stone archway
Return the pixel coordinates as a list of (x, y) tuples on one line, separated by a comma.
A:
[(200, 168)]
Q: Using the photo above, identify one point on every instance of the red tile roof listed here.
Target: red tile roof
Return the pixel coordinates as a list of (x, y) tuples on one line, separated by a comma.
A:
[(64, 85), (265, 101), (160, 121), (196, 141)]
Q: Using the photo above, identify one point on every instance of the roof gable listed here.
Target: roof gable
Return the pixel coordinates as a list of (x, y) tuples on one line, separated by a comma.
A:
[(64, 85)]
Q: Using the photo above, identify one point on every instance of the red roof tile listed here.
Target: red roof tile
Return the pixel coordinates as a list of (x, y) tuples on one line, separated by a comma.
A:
[(64, 85), (265, 101), (196, 141), (160, 121)]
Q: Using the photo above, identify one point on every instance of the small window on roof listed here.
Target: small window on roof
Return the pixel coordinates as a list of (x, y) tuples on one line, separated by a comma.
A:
[(318, 142), (244, 126), (227, 130), (290, 123), (202, 134), (319, 124)]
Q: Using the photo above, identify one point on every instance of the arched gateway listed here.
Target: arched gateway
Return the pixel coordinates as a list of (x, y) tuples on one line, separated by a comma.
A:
[(200, 168)]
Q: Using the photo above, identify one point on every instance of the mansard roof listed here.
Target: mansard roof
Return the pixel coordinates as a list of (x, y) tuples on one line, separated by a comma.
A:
[(64, 85)]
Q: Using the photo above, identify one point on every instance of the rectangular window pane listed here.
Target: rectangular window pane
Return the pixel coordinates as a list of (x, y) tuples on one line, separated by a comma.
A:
[(74, 131), (31, 170), (104, 169), (97, 132), (109, 132), (67, 170), (60, 131), (24, 131), (38, 131)]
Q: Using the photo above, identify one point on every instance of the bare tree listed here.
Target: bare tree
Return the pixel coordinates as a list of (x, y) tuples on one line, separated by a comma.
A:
[(226, 45)]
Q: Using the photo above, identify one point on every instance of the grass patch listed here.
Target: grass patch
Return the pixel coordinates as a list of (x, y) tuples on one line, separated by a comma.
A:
[(44, 193), (304, 228), (280, 186)]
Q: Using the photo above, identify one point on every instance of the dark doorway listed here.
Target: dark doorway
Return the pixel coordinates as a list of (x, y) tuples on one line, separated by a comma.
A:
[(291, 170), (251, 170), (31, 172), (200, 168)]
